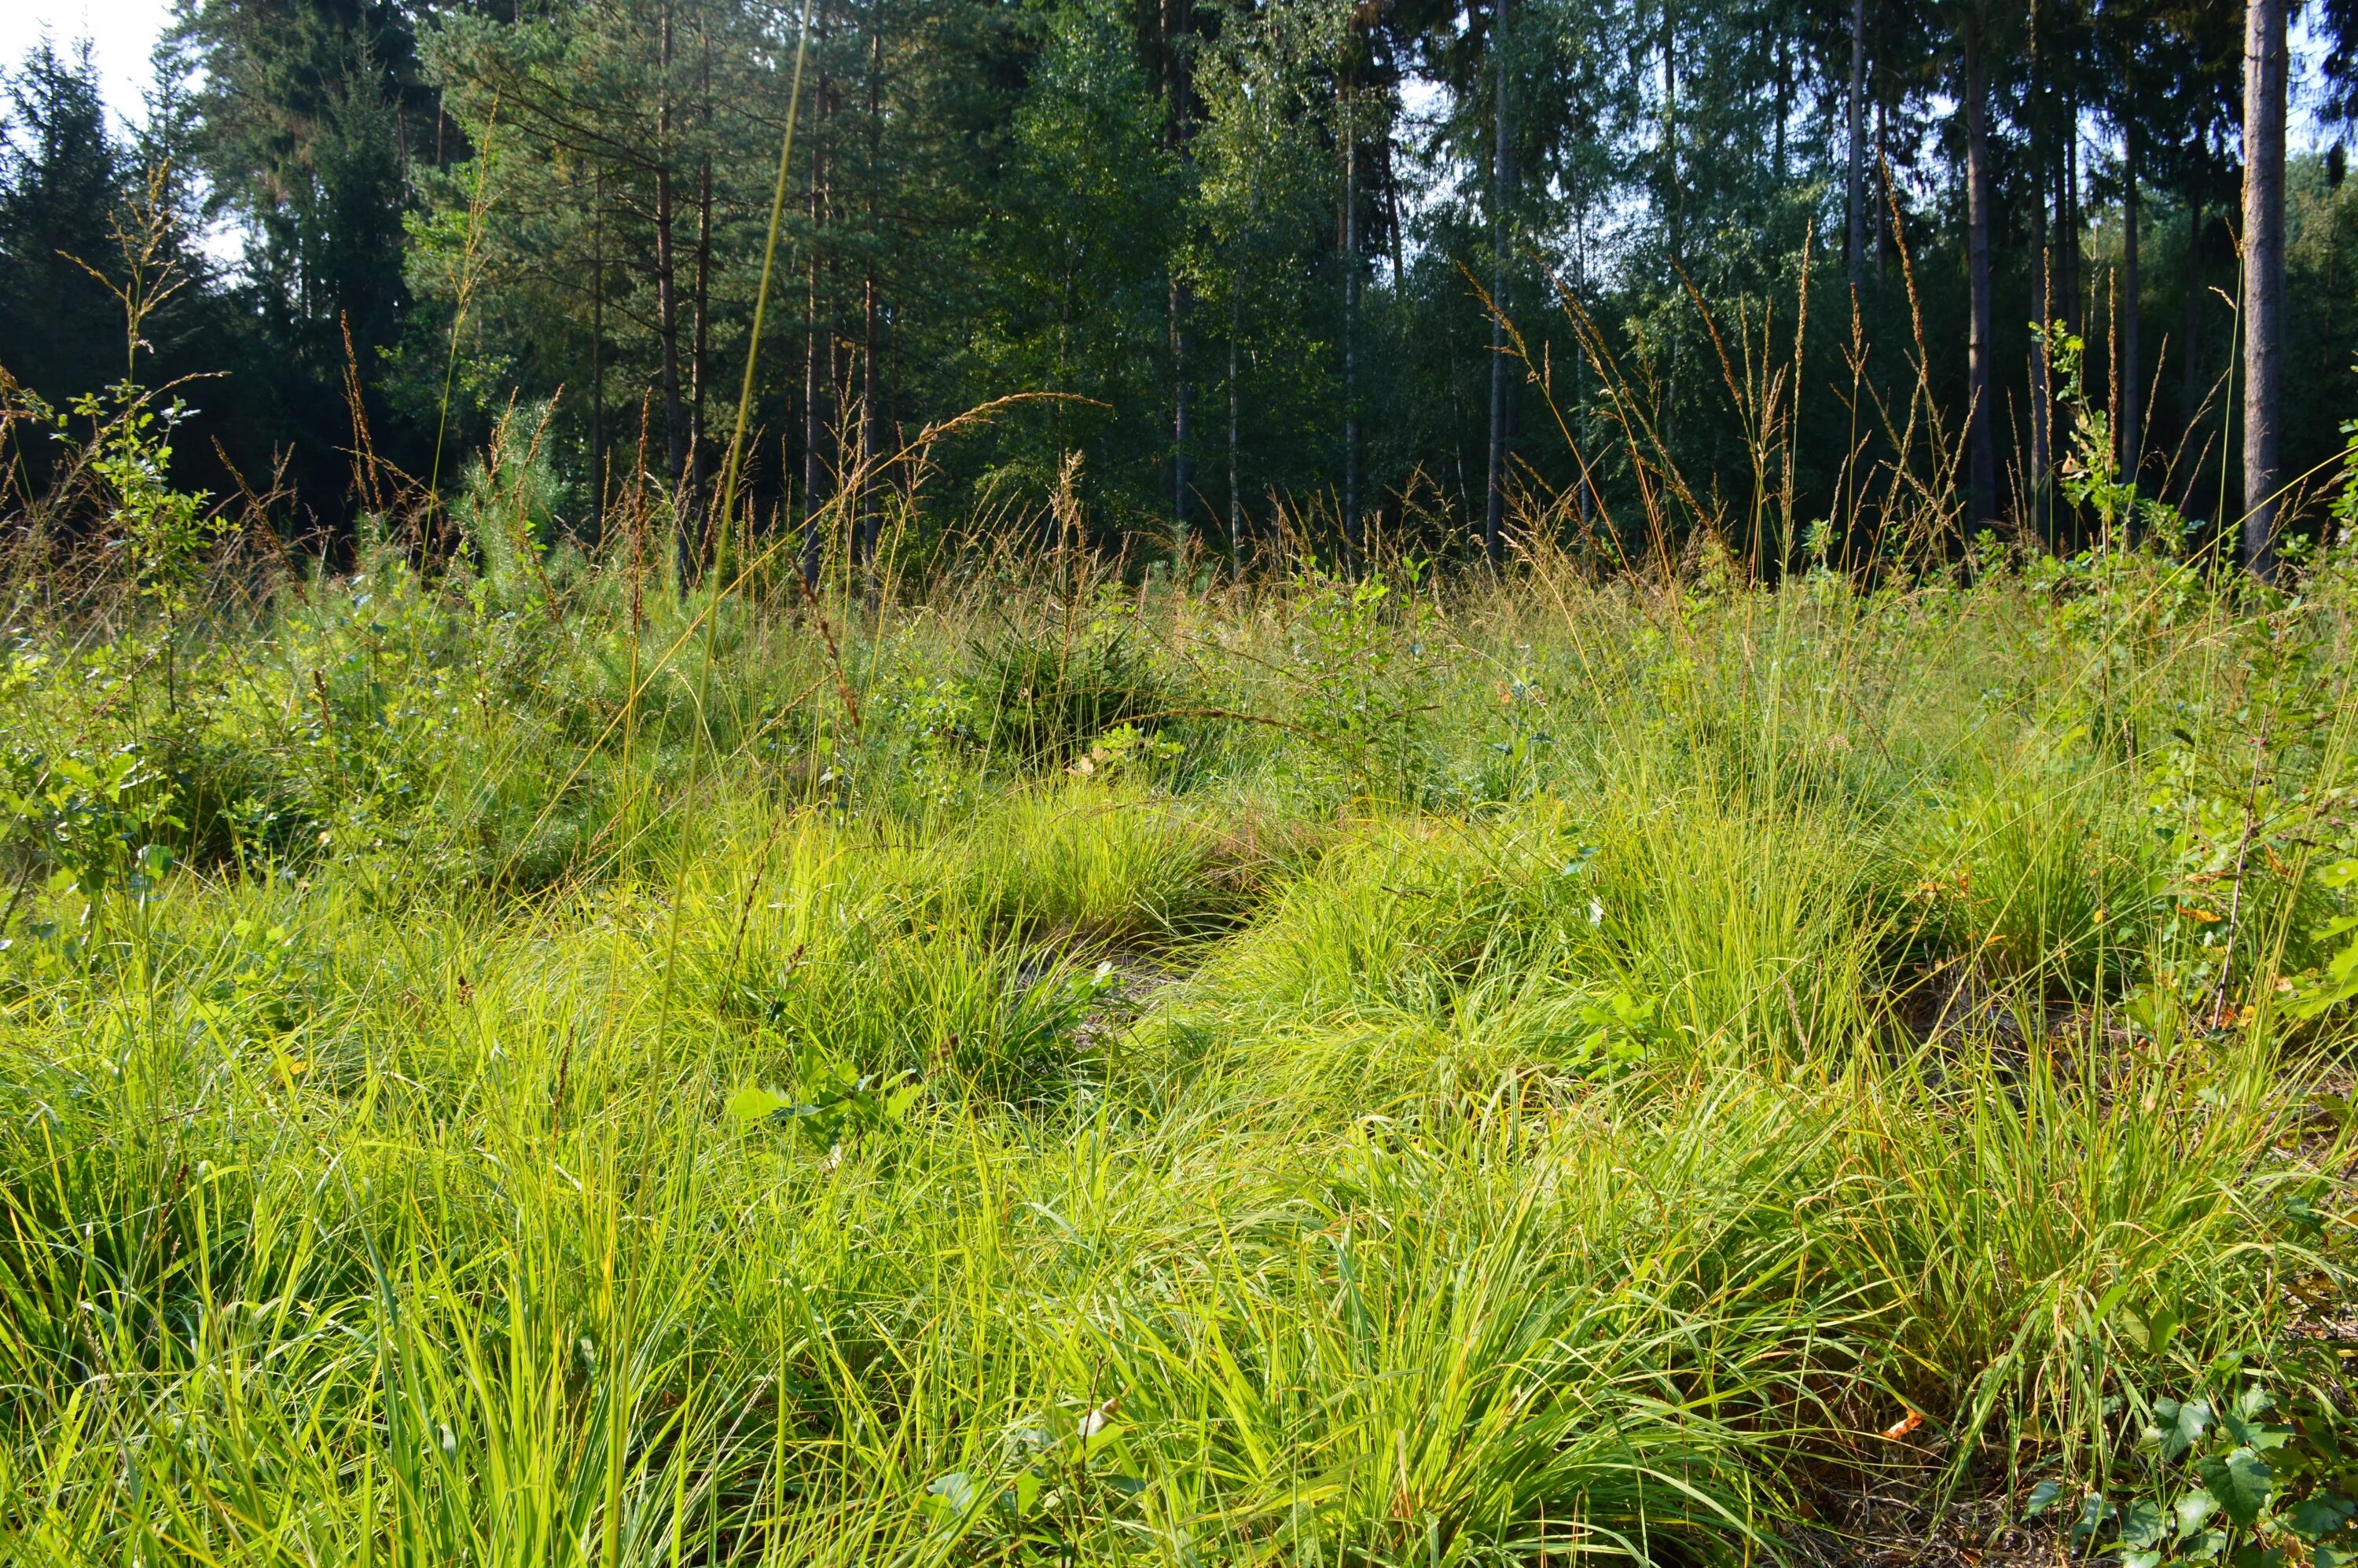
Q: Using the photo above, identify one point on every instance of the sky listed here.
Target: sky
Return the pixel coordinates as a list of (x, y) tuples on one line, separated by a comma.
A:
[(122, 34)]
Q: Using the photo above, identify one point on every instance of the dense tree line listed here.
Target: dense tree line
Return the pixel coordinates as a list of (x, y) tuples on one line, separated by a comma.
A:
[(1342, 265)]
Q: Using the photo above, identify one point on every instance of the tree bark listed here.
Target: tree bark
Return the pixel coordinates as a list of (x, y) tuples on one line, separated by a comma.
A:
[(700, 302), (1672, 200), (1392, 212), (872, 411), (815, 375), (598, 355), (2042, 294), (1351, 533), (2190, 358), (1882, 203), (1981, 454), (1857, 252), (1236, 509), (2132, 367), (2264, 275), (870, 419), (2067, 224), (666, 280), (1178, 20), (1494, 513)]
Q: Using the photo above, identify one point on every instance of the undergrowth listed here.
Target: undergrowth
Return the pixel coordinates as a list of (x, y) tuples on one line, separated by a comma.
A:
[(500, 1067)]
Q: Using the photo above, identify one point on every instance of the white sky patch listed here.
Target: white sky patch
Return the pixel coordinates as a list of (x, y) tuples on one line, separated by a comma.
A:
[(122, 36)]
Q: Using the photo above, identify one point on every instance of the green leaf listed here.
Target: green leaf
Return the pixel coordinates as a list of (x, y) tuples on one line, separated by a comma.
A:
[(2245, 1429), (953, 1492), (2094, 1514), (2241, 1481), (2192, 1510), (2042, 1498), (2182, 1424), (2141, 1525), (750, 1104), (2319, 1517), (1027, 1492)]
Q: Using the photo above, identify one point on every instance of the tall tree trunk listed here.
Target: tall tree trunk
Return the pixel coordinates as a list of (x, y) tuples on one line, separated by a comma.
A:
[(1392, 212), (667, 281), (815, 375), (2042, 369), (871, 412), (1183, 310), (1178, 20), (2042, 291), (2132, 367), (2264, 275), (872, 416), (598, 355), (700, 302), (700, 338), (1494, 513), (2067, 224), (1882, 203), (1673, 200), (1237, 552), (1855, 253), (2190, 356), (1981, 453), (1351, 533)]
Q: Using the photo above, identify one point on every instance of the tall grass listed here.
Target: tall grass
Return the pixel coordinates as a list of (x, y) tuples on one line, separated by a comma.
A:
[(543, 1066)]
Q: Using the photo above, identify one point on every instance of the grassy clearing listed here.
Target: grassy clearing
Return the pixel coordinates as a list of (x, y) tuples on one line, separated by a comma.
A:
[(1315, 1075)]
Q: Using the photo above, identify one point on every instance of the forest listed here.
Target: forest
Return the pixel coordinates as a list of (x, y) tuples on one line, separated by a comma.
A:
[(1307, 270), (1274, 783)]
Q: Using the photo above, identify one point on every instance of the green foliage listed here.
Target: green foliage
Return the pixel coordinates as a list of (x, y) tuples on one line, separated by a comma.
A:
[(2237, 1476), (1049, 688), (603, 1106)]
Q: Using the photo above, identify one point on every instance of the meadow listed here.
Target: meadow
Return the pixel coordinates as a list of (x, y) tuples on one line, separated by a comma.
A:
[(540, 1064)]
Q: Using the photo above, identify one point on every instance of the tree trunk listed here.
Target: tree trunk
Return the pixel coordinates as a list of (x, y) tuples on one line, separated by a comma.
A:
[(1882, 203), (1981, 454), (700, 339), (2132, 369), (1857, 190), (2264, 275), (2067, 225), (871, 412), (1182, 306), (1392, 212), (700, 302), (870, 419), (2042, 369), (2190, 357), (597, 356), (1235, 507), (1673, 201), (1178, 20), (813, 372), (667, 281), (1351, 538), (1493, 514), (2042, 294)]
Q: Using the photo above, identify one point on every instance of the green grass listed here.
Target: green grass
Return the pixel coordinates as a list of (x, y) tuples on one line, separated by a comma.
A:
[(1522, 1070)]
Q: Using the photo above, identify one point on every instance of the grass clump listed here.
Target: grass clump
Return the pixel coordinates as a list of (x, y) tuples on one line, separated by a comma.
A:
[(1470, 1072)]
